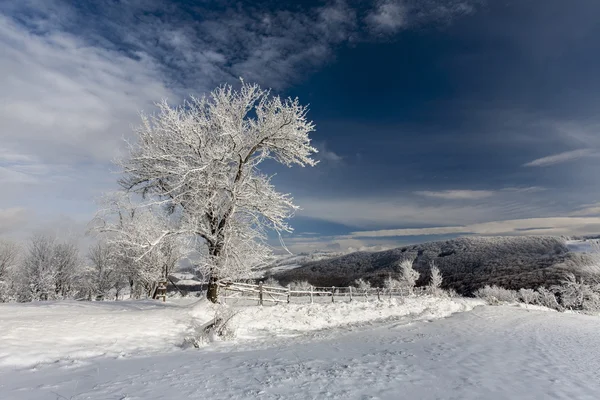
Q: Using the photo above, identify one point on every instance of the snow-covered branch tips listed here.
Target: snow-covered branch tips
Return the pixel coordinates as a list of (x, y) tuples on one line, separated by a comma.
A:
[(199, 164)]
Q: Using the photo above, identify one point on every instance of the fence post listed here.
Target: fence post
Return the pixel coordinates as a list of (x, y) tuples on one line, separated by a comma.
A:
[(350, 289), (260, 293), (332, 294), (224, 294), (390, 293), (378, 294), (311, 294), (288, 294)]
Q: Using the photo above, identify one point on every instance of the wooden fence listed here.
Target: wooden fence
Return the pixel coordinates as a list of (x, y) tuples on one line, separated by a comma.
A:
[(263, 294)]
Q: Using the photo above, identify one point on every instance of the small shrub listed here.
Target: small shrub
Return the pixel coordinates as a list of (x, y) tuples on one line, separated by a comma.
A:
[(272, 282), (300, 286), (528, 296), (362, 286), (221, 327), (496, 294)]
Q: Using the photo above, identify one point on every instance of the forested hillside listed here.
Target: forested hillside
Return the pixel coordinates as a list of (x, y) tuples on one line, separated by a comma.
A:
[(466, 263)]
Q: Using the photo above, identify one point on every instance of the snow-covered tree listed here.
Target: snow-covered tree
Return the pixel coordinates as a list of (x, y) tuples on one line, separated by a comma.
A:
[(9, 254), (49, 269), (67, 267), (130, 231), (435, 280), (408, 275), (103, 274), (200, 161)]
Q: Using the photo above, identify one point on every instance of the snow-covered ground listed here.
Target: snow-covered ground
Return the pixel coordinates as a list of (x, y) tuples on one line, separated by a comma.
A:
[(356, 351)]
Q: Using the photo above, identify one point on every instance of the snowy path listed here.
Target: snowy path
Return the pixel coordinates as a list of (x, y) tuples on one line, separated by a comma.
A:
[(488, 353)]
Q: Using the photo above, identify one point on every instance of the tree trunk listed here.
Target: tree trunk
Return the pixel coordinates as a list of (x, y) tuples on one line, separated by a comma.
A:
[(212, 292)]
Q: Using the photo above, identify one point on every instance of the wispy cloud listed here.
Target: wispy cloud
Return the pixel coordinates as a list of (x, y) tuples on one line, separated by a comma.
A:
[(388, 16), (326, 154), (529, 226), (561, 158), (457, 194), (391, 16)]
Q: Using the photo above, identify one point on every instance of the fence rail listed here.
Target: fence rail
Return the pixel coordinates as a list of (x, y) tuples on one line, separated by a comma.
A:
[(270, 294)]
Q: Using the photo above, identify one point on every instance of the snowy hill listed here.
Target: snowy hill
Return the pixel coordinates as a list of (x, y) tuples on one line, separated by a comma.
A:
[(466, 263)]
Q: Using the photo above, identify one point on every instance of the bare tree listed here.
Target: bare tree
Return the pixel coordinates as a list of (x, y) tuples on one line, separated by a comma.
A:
[(200, 162)]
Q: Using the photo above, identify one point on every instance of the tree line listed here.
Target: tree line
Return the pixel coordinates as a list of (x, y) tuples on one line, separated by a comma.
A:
[(45, 268)]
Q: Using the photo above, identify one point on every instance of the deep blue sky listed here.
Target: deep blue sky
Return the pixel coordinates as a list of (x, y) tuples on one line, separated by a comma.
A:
[(434, 118)]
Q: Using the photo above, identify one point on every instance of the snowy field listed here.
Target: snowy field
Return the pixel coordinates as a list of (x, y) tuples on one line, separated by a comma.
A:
[(425, 348)]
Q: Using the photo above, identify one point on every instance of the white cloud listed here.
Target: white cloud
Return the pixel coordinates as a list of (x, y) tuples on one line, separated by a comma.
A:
[(561, 158), (457, 194), (527, 226), (389, 16)]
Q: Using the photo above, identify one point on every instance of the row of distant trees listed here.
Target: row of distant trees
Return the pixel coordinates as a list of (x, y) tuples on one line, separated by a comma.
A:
[(45, 268)]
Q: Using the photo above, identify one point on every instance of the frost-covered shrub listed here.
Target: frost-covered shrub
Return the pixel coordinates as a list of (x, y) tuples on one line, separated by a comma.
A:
[(547, 298), (528, 296), (222, 327), (362, 286), (271, 282), (496, 294), (576, 294), (390, 284)]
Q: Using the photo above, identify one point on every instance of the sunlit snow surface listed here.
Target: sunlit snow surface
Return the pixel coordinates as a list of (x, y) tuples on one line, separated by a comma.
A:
[(352, 350)]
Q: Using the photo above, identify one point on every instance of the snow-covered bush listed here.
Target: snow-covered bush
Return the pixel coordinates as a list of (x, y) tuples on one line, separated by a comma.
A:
[(222, 327), (390, 284), (362, 286), (272, 282), (547, 298), (575, 294), (496, 294), (300, 286), (528, 296)]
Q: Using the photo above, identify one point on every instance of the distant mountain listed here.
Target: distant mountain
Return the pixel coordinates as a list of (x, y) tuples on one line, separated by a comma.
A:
[(286, 262), (466, 263)]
